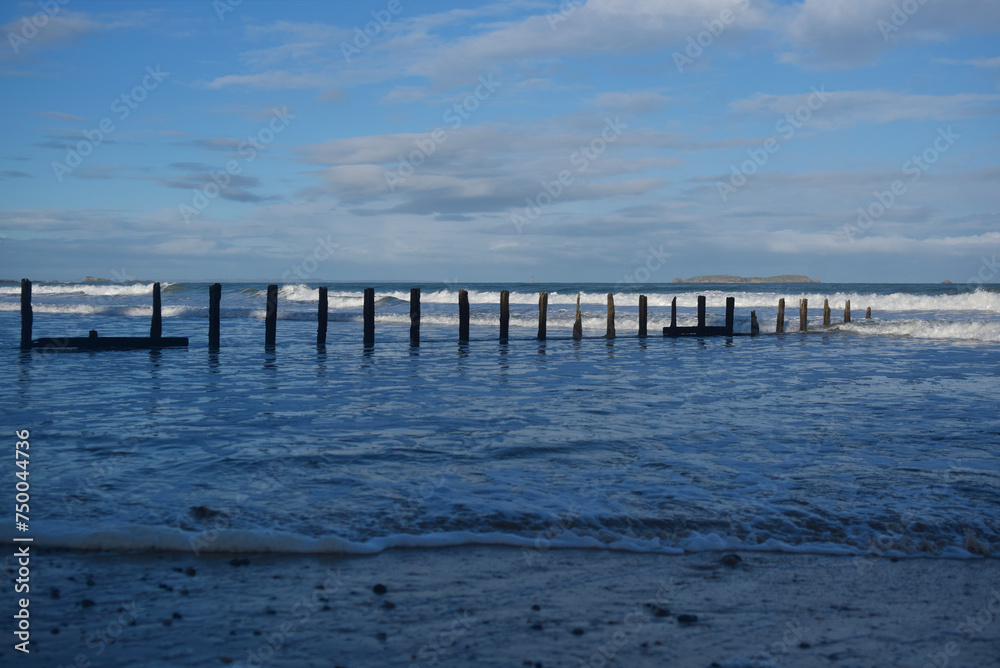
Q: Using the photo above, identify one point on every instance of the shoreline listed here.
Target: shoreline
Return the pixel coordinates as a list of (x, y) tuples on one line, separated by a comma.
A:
[(490, 605)]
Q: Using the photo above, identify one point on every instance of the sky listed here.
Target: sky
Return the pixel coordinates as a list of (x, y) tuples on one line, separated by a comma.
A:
[(602, 140)]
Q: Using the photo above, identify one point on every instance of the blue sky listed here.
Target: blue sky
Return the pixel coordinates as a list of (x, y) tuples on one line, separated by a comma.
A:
[(606, 140)]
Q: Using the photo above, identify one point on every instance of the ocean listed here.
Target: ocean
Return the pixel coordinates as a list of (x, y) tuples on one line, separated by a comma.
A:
[(876, 438)]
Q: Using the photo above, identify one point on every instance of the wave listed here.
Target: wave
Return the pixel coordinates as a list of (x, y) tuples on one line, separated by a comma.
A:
[(90, 289), (141, 538)]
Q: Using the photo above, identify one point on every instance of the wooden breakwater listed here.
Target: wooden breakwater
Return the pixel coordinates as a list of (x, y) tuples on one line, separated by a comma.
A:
[(157, 340)]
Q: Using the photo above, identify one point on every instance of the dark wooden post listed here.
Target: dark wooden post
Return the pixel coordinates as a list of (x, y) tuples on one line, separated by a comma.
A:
[(611, 316), (414, 316), (642, 316), (463, 316), (803, 314), (322, 316), (214, 311), (701, 313), (780, 327), (847, 311), (543, 309), (27, 315), (730, 315), (868, 313), (673, 313), (369, 317), (578, 321), (504, 315), (271, 316), (754, 325), (156, 324), (826, 312)]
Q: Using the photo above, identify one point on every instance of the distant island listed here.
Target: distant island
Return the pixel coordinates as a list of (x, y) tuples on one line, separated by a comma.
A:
[(726, 278)]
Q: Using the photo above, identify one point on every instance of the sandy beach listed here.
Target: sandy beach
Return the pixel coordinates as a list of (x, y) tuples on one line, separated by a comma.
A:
[(484, 605)]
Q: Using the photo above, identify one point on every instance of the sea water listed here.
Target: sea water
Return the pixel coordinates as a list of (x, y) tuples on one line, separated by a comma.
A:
[(881, 436)]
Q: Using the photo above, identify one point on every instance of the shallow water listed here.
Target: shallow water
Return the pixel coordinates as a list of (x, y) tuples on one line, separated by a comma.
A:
[(881, 435)]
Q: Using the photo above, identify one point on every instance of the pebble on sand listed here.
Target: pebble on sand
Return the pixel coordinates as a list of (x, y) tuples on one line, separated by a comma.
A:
[(380, 589)]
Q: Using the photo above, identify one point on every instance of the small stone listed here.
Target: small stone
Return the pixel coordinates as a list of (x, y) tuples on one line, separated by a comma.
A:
[(190, 572), (578, 631), (90, 581), (535, 607), (86, 603), (657, 610), (536, 627), (54, 593), (687, 619), (388, 605), (55, 631), (381, 636), (380, 589), (732, 559), (804, 645), (271, 611), (177, 615), (167, 622)]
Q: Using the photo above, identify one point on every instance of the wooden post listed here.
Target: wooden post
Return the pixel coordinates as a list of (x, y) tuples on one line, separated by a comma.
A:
[(754, 325), (642, 316), (611, 316), (730, 315), (463, 316), (415, 316), (826, 312), (803, 314), (322, 316), (673, 313), (214, 299), (847, 311), (27, 315), (369, 317), (701, 311), (504, 315), (543, 309), (780, 327), (271, 316), (578, 322), (868, 313), (156, 325)]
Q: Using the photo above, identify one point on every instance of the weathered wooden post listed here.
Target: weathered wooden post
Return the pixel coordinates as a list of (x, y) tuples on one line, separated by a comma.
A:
[(701, 312), (780, 327), (156, 324), (611, 316), (543, 309), (754, 325), (826, 312), (673, 313), (271, 316), (321, 316), (463, 316), (27, 315), (578, 321), (803, 314), (868, 313), (369, 317), (504, 315), (730, 315), (414, 316), (214, 312), (847, 311), (642, 316)]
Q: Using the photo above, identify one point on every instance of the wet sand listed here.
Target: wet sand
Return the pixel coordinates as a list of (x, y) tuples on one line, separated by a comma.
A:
[(484, 605)]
